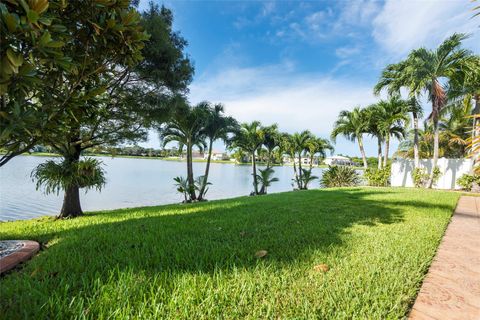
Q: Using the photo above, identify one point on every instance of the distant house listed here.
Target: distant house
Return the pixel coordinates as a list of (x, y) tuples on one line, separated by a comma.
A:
[(197, 155), (217, 155), (339, 160)]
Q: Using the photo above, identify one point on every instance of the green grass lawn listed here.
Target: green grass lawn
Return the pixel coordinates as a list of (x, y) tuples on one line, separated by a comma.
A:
[(198, 260)]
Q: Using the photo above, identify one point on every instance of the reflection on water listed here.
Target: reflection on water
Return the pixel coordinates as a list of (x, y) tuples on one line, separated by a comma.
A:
[(130, 183)]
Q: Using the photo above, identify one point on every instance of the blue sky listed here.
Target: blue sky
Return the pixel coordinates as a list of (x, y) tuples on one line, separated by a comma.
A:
[(298, 63)]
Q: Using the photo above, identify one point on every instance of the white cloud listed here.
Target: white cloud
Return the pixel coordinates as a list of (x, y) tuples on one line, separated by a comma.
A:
[(275, 94), (347, 51), (404, 25)]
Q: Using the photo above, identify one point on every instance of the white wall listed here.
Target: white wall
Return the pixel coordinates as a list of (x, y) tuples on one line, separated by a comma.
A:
[(451, 170)]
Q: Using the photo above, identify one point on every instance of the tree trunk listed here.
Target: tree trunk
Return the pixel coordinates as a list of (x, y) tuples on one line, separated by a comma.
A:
[(71, 201), (295, 171), (379, 142), (387, 149), (300, 181), (191, 182), (311, 162), (254, 169), (415, 141), (207, 170), (475, 130), (362, 151), (269, 155), (435, 151)]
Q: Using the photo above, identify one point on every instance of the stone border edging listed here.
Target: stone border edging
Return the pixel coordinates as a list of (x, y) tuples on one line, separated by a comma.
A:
[(28, 249)]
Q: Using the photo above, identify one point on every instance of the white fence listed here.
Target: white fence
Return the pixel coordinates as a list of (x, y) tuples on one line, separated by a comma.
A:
[(451, 170)]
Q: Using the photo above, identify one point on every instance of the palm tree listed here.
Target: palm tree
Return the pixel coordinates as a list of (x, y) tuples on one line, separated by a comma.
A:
[(374, 115), (316, 145), (249, 137), (288, 147), (217, 126), (392, 121), (307, 177), (300, 144), (265, 179), (352, 125), (422, 72), (271, 141), (455, 123), (187, 128)]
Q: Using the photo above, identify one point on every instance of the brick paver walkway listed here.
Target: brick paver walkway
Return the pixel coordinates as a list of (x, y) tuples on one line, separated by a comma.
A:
[(451, 289)]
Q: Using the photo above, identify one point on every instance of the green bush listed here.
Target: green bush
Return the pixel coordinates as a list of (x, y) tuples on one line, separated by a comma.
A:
[(420, 177), (378, 177), (340, 176), (466, 181)]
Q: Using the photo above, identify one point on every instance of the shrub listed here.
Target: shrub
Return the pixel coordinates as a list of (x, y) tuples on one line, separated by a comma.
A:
[(378, 177), (55, 176), (340, 176), (420, 177), (466, 181)]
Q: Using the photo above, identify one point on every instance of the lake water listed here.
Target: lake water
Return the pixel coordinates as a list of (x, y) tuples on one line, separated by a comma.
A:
[(130, 183)]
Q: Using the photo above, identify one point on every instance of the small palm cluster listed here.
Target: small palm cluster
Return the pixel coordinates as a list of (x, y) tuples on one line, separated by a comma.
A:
[(200, 125), (253, 138)]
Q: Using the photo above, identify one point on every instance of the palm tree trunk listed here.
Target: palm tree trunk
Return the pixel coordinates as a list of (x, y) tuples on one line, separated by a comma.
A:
[(311, 162), (387, 149), (191, 183), (295, 171), (415, 141), (300, 181), (207, 170), (269, 155), (475, 130), (362, 151), (71, 201), (435, 151), (379, 143), (254, 168)]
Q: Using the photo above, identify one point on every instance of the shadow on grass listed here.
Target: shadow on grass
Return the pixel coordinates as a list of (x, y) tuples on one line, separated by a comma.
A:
[(221, 234), (206, 237)]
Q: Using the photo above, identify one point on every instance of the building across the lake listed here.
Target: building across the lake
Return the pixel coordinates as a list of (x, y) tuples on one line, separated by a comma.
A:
[(217, 155), (339, 160)]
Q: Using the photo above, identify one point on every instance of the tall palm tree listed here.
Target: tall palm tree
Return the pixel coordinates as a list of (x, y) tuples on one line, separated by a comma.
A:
[(288, 147), (300, 143), (392, 121), (217, 126), (316, 145), (186, 127), (271, 141), (424, 71), (249, 137), (374, 116), (352, 125)]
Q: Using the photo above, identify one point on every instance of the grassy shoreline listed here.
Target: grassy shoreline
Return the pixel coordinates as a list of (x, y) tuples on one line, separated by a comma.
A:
[(47, 154), (198, 260)]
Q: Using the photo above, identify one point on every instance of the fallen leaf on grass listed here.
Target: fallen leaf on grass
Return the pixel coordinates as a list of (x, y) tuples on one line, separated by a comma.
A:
[(261, 253), (321, 267)]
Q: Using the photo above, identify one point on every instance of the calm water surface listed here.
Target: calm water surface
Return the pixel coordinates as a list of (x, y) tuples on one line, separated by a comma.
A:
[(130, 183)]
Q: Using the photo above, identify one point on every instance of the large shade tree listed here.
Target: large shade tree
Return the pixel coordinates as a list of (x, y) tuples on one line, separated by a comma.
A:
[(32, 37), (352, 125), (428, 71), (115, 96)]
